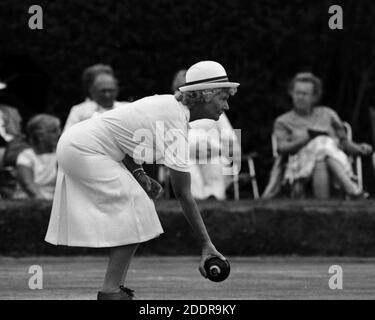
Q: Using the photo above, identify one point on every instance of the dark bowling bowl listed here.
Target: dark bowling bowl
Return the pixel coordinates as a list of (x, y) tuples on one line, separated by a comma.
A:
[(217, 270)]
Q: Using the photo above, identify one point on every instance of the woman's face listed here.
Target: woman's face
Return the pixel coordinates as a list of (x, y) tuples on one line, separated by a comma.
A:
[(48, 139), (216, 106), (104, 90), (303, 96)]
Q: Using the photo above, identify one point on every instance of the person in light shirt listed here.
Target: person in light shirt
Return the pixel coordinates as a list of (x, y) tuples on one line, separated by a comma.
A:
[(37, 166), (101, 89), (313, 146)]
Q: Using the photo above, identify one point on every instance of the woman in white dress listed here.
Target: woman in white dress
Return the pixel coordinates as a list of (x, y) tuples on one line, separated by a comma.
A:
[(103, 196)]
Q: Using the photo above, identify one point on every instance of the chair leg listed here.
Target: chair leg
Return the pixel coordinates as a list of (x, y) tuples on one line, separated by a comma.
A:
[(253, 179), (167, 184), (164, 177), (236, 188), (359, 172)]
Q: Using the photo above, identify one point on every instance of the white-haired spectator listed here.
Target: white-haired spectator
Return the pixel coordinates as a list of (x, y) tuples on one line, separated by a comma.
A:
[(101, 90)]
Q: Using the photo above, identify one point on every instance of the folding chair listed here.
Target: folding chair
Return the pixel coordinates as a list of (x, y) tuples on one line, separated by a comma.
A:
[(164, 178), (237, 177), (355, 160)]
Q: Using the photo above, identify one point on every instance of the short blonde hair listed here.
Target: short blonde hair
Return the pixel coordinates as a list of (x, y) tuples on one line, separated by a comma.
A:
[(42, 123), (196, 98)]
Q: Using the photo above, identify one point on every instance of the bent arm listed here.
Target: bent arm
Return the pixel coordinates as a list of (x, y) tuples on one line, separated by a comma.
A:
[(181, 187), (349, 146), (25, 177), (355, 148), (131, 164), (289, 141), (292, 145)]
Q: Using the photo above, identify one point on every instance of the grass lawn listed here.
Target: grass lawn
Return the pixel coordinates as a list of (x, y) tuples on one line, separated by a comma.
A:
[(177, 278)]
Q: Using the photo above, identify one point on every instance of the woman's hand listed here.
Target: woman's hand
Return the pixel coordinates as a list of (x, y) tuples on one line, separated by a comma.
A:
[(315, 132), (298, 140), (153, 189), (365, 149), (208, 251), (156, 189)]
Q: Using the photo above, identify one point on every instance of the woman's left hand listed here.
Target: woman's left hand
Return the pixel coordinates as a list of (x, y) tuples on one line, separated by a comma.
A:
[(153, 188), (156, 189), (365, 149)]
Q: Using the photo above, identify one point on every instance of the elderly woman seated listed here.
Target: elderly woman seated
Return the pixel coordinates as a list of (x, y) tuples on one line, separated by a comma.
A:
[(37, 166), (311, 140)]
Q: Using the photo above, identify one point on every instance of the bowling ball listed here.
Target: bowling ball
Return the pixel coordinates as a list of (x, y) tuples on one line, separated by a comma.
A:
[(217, 270)]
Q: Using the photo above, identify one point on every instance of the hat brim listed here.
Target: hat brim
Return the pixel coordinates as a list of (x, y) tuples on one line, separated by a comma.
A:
[(212, 85)]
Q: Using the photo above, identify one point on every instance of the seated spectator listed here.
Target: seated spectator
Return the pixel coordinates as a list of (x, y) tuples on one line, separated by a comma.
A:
[(311, 140), (10, 124), (12, 142), (211, 144), (37, 165), (101, 90)]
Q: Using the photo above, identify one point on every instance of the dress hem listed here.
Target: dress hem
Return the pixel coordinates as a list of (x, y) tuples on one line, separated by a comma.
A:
[(102, 245)]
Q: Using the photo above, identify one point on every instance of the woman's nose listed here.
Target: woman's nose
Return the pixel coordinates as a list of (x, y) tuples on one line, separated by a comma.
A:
[(108, 94)]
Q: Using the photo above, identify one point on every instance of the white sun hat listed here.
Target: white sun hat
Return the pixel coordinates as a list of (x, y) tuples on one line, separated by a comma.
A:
[(207, 75)]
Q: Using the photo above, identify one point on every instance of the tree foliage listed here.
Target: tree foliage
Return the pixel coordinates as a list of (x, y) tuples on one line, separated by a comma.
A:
[(261, 43)]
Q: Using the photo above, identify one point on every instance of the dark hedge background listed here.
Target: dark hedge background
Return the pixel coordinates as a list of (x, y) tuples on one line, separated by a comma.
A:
[(262, 43), (321, 228)]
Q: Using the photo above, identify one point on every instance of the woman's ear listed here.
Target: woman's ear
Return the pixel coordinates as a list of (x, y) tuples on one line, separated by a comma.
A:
[(207, 98)]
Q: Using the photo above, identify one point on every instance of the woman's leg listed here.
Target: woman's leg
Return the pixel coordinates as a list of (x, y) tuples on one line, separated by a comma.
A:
[(320, 180), (124, 274), (118, 264), (344, 180)]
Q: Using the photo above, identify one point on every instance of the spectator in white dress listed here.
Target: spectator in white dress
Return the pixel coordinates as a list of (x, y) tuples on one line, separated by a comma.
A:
[(37, 166)]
